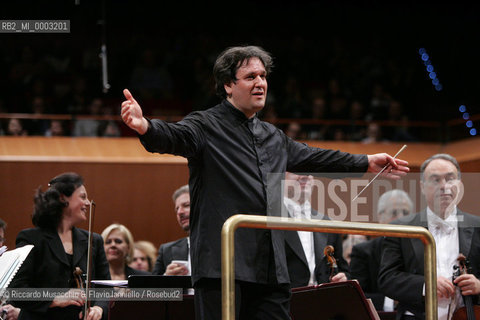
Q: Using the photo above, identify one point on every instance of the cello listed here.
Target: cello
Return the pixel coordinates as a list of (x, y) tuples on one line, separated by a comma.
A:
[(469, 311)]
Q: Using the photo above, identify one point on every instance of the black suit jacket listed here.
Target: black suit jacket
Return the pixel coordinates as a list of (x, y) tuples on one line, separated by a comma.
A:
[(298, 270), (234, 156), (47, 266), (364, 266), (175, 250), (401, 275)]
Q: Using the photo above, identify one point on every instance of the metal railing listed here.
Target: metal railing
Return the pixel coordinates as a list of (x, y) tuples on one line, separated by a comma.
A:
[(263, 222)]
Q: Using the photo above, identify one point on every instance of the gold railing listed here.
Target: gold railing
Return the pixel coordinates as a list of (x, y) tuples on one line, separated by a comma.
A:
[(263, 222)]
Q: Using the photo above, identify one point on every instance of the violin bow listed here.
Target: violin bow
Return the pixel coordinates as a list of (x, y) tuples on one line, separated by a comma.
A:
[(89, 258)]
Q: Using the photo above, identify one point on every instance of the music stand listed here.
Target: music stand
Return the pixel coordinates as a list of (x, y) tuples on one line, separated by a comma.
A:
[(332, 301), (156, 281)]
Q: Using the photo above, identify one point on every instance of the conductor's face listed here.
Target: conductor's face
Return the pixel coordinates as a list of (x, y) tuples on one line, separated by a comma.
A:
[(182, 209), (249, 92), (440, 186)]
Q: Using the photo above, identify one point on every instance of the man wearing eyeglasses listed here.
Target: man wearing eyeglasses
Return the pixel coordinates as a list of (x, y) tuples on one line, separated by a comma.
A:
[(401, 274), (365, 256)]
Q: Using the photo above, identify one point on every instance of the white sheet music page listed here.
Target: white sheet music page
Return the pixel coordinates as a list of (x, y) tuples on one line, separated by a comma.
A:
[(10, 262)]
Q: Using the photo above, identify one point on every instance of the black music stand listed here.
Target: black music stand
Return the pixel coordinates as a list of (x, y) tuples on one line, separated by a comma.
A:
[(332, 301), (155, 281), (159, 310)]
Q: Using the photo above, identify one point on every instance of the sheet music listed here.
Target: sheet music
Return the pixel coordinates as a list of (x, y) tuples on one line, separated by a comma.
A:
[(10, 262), (111, 283)]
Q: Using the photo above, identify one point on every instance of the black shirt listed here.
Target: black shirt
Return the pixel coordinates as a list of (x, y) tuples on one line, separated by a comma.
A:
[(231, 160)]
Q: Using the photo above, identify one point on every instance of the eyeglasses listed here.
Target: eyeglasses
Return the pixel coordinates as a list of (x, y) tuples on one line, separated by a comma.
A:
[(117, 241), (399, 212)]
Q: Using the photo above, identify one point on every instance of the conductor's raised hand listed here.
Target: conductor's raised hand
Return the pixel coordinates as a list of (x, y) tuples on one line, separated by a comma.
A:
[(132, 114), (396, 168)]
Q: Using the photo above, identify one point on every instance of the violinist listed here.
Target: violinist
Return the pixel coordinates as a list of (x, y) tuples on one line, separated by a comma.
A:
[(60, 248), (306, 260), (401, 274)]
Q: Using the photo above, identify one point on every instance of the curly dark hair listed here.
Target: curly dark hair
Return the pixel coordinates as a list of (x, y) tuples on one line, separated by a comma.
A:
[(228, 62), (49, 205)]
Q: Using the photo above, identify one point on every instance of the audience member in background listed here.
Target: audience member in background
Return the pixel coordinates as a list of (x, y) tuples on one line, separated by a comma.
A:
[(56, 129), (179, 249), (294, 131), (38, 127), (365, 257), (356, 131), (373, 133), (379, 103), (89, 127), (306, 261), (109, 129), (349, 241), (401, 131), (10, 312), (144, 256), (118, 244), (319, 112), (15, 128), (59, 248)]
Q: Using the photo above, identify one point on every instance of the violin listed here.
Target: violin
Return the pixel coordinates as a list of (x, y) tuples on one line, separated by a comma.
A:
[(331, 261), (470, 311), (77, 275)]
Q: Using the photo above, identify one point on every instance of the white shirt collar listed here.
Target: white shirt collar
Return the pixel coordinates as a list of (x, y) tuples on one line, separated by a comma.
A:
[(435, 222), (297, 209)]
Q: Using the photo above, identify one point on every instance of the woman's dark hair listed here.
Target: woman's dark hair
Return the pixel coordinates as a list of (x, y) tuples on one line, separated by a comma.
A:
[(228, 62), (49, 205)]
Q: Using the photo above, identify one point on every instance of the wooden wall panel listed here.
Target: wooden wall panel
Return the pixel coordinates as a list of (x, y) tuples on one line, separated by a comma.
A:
[(134, 187)]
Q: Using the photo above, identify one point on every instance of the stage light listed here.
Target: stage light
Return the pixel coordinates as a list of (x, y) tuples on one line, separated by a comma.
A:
[(466, 115), (430, 69), (469, 124), (473, 132), (462, 108)]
